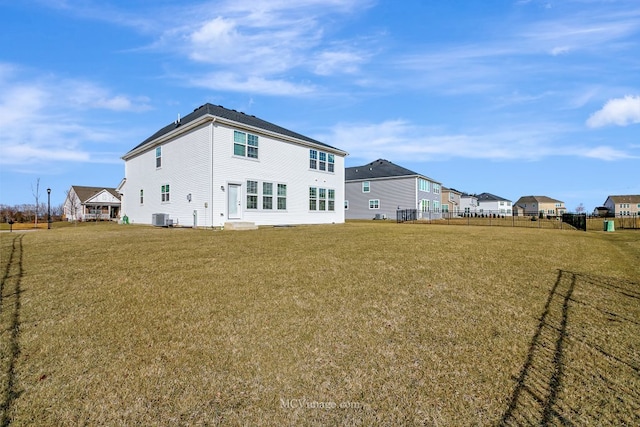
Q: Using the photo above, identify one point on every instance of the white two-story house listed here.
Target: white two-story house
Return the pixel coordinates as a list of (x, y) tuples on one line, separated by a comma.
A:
[(217, 166)]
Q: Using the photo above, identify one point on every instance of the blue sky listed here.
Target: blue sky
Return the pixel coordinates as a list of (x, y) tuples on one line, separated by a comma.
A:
[(511, 97)]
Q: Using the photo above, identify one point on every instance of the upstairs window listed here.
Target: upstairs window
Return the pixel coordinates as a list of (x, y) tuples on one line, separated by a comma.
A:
[(141, 197), (158, 157), (245, 145), (313, 159), (366, 187), (322, 161), (423, 184)]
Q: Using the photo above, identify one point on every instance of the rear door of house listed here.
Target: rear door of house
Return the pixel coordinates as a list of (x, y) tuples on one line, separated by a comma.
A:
[(235, 201)]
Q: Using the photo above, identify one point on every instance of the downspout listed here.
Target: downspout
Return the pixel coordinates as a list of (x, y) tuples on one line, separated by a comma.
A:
[(211, 186)]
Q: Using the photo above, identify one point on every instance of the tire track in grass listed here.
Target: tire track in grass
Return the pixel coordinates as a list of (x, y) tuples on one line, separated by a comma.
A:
[(10, 290)]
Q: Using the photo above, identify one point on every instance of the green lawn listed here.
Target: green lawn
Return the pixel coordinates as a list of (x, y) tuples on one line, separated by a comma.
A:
[(364, 323)]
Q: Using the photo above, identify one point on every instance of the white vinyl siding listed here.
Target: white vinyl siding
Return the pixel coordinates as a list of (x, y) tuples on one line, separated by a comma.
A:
[(202, 164)]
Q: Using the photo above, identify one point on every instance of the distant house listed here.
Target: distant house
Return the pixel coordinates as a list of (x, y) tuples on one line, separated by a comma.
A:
[(468, 204), (380, 188), (628, 205), (91, 203), (489, 204), (540, 205), (221, 167), (451, 203)]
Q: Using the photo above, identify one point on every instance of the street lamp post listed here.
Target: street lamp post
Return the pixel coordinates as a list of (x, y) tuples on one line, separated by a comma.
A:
[(48, 209)]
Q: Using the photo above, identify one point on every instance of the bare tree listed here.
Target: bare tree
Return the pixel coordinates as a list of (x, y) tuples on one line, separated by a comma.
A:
[(36, 195), (72, 211), (580, 208)]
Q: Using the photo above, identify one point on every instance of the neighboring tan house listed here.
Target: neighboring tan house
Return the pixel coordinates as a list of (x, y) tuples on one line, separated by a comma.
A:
[(91, 203), (217, 166), (451, 204), (623, 205), (490, 204), (468, 204), (377, 190), (540, 205)]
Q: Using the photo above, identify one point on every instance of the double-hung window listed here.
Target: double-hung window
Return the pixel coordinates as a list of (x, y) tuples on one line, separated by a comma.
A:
[(252, 194), (374, 204), (322, 161), (141, 197), (322, 199), (313, 198), (164, 192), (366, 187), (267, 195), (322, 165), (245, 145), (158, 157), (313, 159), (282, 197)]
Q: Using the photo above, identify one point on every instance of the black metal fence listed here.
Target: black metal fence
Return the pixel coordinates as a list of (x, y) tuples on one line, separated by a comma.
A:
[(404, 215), (578, 221), (500, 219)]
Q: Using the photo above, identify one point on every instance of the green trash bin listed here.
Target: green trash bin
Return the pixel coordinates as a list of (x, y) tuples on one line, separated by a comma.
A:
[(609, 226)]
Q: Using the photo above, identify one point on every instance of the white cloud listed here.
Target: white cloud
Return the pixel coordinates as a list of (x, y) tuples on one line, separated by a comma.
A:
[(251, 84), (44, 119), (560, 50), (619, 111), (605, 153), (338, 62), (403, 141)]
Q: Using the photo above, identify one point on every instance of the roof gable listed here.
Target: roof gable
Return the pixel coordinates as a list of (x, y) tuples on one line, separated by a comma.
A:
[(104, 196), (232, 115), (380, 168)]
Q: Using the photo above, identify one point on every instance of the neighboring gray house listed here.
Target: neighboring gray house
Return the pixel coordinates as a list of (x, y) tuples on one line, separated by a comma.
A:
[(377, 190), (491, 204)]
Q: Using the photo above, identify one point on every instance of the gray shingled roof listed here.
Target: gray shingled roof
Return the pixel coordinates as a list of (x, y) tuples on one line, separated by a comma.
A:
[(537, 199), (488, 197), (629, 198), (236, 116), (85, 193), (377, 169)]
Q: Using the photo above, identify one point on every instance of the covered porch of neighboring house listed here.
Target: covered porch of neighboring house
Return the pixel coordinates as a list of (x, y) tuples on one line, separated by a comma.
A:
[(100, 212)]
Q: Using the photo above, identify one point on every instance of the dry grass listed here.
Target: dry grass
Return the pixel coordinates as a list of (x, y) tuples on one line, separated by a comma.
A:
[(399, 324)]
